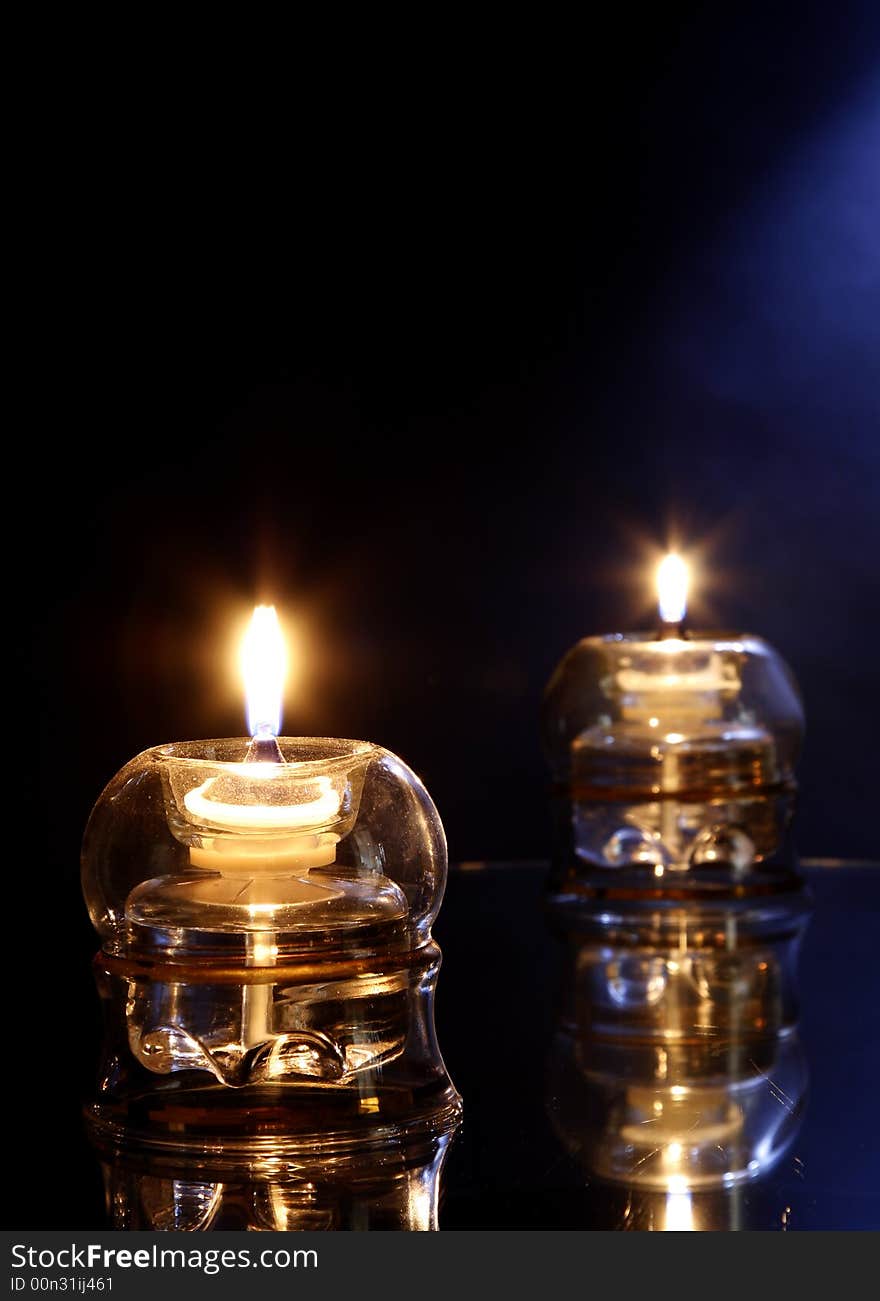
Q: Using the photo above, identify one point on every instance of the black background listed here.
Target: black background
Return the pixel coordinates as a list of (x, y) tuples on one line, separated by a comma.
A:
[(435, 338)]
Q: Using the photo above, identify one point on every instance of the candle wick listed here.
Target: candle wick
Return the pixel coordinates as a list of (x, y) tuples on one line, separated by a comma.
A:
[(264, 748)]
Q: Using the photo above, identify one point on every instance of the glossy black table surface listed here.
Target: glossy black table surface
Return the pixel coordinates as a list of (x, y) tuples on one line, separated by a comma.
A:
[(497, 1005)]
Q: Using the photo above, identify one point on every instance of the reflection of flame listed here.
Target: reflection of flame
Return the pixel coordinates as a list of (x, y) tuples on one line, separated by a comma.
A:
[(672, 588), (679, 1207), (264, 666)]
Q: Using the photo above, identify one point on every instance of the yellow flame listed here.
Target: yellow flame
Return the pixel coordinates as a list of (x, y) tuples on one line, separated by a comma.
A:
[(264, 666), (672, 588)]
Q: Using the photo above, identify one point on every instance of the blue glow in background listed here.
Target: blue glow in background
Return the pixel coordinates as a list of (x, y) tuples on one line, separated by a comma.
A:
[(762, 379)]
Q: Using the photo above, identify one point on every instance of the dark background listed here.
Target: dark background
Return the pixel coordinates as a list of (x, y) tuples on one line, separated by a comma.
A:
[(439, 365), (434, 339)]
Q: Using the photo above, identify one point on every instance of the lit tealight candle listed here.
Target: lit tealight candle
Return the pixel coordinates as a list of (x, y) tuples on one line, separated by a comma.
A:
[(271, 825), (681, 683), (268, 820)]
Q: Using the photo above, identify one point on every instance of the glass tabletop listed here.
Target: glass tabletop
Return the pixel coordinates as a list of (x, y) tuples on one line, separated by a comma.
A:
[(535, 1150), (523, 1158)]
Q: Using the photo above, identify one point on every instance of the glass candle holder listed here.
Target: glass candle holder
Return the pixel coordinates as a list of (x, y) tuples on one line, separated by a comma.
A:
[(673, 761), (266, 965)]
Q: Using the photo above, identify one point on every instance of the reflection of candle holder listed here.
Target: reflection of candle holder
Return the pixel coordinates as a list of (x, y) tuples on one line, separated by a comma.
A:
[(267, 967), (677, 1065), (375, 1182)]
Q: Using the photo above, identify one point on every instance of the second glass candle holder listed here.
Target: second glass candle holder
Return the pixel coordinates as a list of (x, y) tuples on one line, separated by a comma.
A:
[(673, 760)]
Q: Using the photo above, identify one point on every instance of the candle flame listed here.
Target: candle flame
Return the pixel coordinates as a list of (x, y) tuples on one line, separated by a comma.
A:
[(672, 588), (264, 666)]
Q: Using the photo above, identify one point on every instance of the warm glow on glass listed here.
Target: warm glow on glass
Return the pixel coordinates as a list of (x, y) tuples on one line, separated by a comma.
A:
[(264, 667), (672, 588)]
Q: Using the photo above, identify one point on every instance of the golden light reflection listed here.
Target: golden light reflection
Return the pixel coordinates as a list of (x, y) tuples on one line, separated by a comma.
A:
[(679, 1207)]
